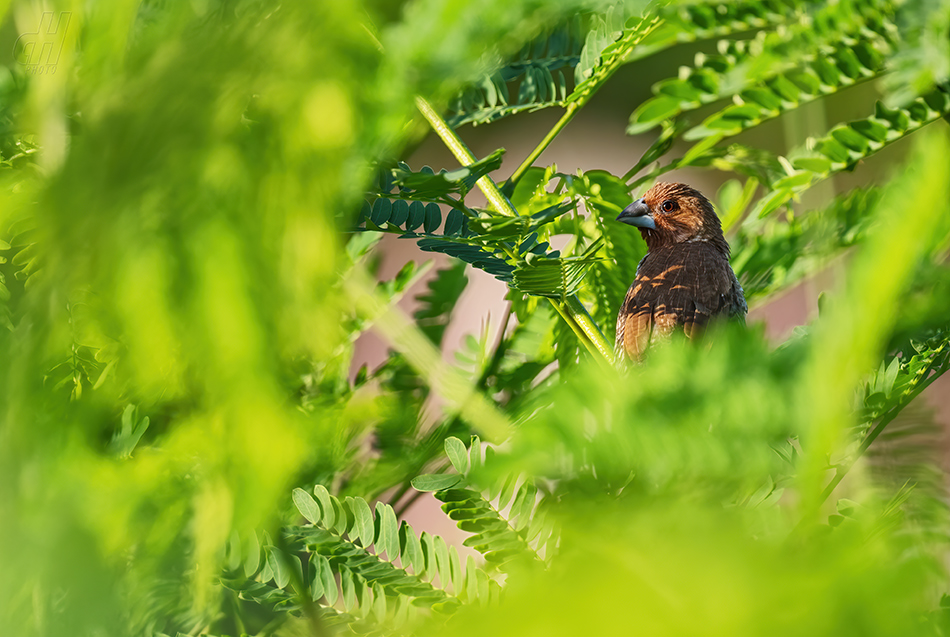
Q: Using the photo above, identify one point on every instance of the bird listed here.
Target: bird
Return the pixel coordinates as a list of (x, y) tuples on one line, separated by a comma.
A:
[(685, 279)]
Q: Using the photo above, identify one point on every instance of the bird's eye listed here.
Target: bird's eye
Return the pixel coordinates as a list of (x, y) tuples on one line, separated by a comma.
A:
[(669, 205)]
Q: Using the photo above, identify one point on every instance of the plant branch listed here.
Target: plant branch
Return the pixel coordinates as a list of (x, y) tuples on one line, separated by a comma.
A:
[(572, 310), (465, 157), (587, 324)]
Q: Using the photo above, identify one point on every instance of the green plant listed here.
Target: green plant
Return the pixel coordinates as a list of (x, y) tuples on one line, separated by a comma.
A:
[(191, 209)]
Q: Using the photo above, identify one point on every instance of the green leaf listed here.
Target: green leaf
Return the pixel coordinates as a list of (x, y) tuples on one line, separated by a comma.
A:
[(379, 603), (276, 561), (127, 437), (388, 531), (475, 453), (252, 554), (470, 587), (435, 481), (232, 555), (442, 563), (763, 97), (651, 113), (321, 578), (890, 376), (851, 139), (307, 506), (343, 518), (348, 584), (417, 215), (797, 180), (872, 130), (833, 150), (411, 549), (428, 185), (847, 507), (897, 118), (453, 222), (323, 498), (772, 202), (507, 491), (523, 505), (554, 277), (457, 453), (788, 89), (818, 165), (382, 211), (364, 525), (428, 554), (433, 218), (400, 212), (455, 570), (680, 89)]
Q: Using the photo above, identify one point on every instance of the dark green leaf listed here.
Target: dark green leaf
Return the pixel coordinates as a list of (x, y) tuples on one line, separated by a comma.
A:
[(417, 215), (453, 222), (851, 139), (870, 129), (433, 217), (382, 211), (400, 212)]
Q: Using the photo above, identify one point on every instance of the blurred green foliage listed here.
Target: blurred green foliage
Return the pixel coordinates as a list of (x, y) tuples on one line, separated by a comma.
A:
[(192, 194)]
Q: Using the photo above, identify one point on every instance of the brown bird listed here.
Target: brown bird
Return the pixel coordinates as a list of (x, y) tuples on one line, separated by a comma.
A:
[(685, 278)]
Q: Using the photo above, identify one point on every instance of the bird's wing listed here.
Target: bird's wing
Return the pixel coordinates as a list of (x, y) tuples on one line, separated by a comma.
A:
[(686, 285), (707, 288), (634, 324)]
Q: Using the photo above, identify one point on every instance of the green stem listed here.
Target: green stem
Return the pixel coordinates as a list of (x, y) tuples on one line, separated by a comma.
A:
[(572, 310), (572, 109), (561, 309), (586, 323), (465, 157)]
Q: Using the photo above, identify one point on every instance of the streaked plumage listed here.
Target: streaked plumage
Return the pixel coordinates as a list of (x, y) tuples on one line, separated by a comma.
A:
[(685, 279)]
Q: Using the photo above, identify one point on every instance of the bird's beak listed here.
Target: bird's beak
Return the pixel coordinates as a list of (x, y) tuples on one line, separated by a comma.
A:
[(637, 214)]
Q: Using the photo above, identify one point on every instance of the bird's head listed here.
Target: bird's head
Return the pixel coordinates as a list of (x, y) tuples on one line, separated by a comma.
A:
[(674, 213)]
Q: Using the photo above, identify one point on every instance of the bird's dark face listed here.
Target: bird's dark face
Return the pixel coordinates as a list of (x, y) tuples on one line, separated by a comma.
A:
[(673, 213)]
